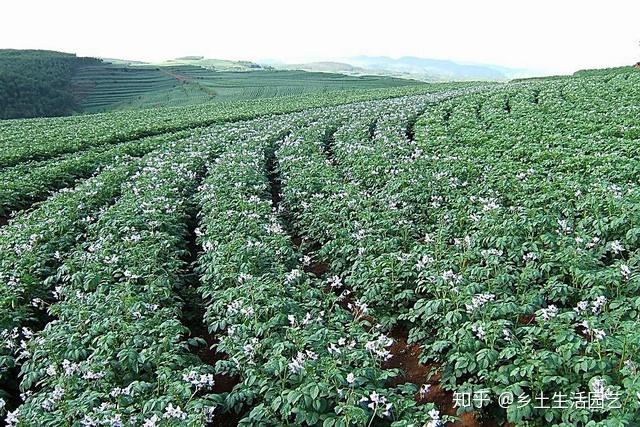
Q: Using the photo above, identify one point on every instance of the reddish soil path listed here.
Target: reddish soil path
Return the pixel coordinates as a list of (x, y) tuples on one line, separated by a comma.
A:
[(193, 319), (406, 357)]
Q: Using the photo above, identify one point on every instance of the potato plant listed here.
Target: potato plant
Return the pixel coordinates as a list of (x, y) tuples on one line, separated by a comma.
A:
[(327, 260), (301, 357)]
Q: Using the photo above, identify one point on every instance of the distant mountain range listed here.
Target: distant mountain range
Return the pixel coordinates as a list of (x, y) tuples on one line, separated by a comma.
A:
[(411, 67), (439, 68), (408, 67)]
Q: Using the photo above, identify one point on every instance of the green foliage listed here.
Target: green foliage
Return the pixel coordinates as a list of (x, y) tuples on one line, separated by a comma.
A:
[(37, 83), (292, 344), (33, 181), (515, 269), (39, 139), (607, 72), (498, 226)]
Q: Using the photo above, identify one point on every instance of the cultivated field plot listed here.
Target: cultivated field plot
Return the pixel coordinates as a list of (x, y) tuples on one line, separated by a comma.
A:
[(106, 87), (341, 259)]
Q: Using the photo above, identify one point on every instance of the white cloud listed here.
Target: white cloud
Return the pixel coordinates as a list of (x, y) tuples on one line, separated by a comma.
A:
[(552, 35)]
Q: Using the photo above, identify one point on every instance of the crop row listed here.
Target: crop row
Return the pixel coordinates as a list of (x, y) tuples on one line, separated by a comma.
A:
[(486, 231), (30, 182), (466, 225), (71, 264), (116, 347), (38, 139), (541, 298), (32, 248), (302, 357)]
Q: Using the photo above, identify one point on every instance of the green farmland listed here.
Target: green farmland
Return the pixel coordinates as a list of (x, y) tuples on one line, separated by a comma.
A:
[(281, 248)]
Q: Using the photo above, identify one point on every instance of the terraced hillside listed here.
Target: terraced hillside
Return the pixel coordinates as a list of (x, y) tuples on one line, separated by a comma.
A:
[(36, 83), (112, 87), (98, 87), (260, 84), (356, 258)]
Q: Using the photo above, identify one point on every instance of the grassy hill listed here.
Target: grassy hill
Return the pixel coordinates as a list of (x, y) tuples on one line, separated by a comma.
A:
[(607, 71), (326, 67), (45, 83), (214, 64)]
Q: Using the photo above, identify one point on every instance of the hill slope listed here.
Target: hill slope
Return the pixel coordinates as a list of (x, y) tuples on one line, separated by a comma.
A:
[(326, 67), (46, 83), (115, 87), (38, 83), (214, 64)]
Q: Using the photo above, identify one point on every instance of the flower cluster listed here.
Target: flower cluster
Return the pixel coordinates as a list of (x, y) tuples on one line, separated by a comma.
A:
[(199, 381), (380, 347), (377, 403), (478, 301)]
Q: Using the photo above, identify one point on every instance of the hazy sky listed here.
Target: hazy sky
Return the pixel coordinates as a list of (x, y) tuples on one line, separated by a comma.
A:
[(549, 35)]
